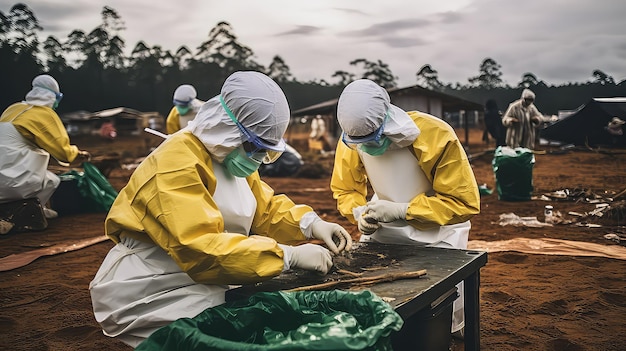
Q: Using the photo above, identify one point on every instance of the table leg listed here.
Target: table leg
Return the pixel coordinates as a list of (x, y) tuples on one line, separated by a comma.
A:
[(472, 312)]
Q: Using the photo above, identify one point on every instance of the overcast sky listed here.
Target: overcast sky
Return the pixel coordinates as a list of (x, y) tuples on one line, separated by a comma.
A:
[(559, 41)]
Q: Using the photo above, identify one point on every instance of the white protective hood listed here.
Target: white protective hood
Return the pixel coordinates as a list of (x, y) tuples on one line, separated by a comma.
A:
[(361, 110), (257, 102), (43, 91)]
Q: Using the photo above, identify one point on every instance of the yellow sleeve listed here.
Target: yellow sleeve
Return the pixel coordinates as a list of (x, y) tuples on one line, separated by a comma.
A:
[(172, 123), (442, 158), (276, 216), (42, 126), (348, 181), (169, 198)]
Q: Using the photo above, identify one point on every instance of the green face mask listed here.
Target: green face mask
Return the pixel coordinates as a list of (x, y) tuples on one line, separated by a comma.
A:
[(182, 110), (239, 164), (376, 150)]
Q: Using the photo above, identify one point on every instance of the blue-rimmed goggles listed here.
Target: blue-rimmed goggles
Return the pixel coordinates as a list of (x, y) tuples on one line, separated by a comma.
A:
[(373, 139), (255, 147), (182, 103)]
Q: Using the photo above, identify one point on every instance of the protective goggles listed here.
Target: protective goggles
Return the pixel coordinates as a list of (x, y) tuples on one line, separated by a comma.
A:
[(373, 139), (181, 103), (255, 147)]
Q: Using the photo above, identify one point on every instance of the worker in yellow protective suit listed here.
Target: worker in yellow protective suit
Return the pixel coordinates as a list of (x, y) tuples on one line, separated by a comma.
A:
[(186, 105), (424, 187), (195, 217), (31, 131)]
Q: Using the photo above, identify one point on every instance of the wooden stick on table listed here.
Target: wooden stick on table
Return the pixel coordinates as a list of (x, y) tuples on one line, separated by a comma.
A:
[(362, 281)]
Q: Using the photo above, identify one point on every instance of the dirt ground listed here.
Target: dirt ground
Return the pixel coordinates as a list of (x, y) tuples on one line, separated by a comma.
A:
[(527, 301)]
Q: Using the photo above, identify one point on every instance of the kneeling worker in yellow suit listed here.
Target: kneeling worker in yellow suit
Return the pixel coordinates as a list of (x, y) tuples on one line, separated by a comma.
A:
[(31, 131), (195, 217)]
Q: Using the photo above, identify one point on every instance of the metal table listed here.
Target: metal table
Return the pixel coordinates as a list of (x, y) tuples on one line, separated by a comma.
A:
[(445, 269)]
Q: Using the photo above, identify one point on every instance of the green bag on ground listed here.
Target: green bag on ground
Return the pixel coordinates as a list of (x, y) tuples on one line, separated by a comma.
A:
[(513, 170), (304, 320), (94, 188)]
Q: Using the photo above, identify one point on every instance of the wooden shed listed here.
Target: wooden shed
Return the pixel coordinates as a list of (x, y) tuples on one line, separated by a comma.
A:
[(457, 112), (127, 121)]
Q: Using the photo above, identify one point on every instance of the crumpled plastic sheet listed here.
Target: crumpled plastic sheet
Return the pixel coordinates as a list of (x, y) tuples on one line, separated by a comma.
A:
[(515, 220), (549, 246)]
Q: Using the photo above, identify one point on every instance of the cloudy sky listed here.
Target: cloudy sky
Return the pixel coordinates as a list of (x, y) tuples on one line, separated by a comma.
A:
[(559, 41)]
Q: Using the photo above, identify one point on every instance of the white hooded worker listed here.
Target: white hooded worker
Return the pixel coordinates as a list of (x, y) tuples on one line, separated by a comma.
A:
[(195, 217), (186, 105), (30, 132), (522, 119), (424, 187)]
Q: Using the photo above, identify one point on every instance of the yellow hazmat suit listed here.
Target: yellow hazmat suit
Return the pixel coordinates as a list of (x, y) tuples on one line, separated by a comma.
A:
[(444, 162), (43, 127), (424, 188), (31, 132), (195, 217), (180, 172)]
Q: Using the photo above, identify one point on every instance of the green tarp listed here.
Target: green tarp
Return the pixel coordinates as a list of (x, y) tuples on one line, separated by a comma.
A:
[(306, 320)]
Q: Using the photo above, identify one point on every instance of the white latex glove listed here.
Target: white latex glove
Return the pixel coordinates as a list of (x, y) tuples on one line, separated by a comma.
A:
[(310, 257), (331, 233), (386, 211), (367, 225)]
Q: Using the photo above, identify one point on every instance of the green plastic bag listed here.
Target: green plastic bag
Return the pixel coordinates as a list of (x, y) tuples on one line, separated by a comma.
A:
[(513, 170), (305, 320), (94, 188)]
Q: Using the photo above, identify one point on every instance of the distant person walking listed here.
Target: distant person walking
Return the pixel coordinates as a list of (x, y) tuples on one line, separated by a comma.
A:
[(522, 119), (493, 122)]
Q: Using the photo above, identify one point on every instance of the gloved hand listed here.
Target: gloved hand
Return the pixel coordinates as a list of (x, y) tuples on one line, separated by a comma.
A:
[(310, 257), (331, 233), (386, 211), (83, 156), (367, 225)]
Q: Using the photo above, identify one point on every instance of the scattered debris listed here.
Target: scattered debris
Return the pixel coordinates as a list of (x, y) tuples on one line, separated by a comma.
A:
[(580, 195), (388, 299), (515, 220), (484, 190), (588, 225), (615, 237), (606, 205)]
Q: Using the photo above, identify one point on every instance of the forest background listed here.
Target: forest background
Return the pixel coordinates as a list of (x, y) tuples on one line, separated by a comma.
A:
[(95, 74)]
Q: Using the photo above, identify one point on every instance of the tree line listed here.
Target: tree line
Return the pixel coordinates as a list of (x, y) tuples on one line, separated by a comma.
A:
[(95, 74)]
